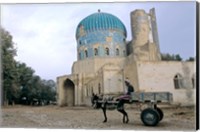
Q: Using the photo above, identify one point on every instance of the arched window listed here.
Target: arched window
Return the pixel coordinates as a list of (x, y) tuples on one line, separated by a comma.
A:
[(107, 51), (124, 40), (117, 51), (91, 91), (79, 55), (178, 81), (124, 52), (87, 92), (99, 88), (95, 51), (86, 54), (193, 81)]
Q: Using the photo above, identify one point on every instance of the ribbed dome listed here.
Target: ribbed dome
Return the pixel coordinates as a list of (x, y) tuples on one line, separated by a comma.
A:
[(100, 21)]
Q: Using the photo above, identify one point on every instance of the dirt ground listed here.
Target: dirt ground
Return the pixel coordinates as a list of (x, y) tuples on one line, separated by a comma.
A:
[(181, 118)]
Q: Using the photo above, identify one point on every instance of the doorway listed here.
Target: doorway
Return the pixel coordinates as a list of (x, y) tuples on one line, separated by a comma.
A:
[(69, 92)]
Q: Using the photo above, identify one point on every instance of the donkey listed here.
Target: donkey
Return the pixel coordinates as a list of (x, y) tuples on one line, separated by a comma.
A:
[(104, 104)]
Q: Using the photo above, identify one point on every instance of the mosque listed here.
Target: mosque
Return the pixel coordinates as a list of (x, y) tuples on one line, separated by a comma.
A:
[(105, 59)]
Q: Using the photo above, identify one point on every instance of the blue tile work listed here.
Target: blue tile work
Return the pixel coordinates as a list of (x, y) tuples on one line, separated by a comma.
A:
[(100, 21), (97, 40), (98, 32), (100, 37)]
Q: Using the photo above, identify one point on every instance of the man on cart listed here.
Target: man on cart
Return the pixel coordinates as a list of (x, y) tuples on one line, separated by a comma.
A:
[(127, 96)]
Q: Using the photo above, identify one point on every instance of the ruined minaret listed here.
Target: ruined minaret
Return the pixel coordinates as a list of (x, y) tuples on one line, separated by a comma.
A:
[(145, 44), (154, 27)]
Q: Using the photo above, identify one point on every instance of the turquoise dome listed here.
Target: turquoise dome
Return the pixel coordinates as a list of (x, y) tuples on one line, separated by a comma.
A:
[(100, 21)]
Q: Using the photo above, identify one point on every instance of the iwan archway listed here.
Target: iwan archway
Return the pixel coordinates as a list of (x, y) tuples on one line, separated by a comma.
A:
[(69, 92)]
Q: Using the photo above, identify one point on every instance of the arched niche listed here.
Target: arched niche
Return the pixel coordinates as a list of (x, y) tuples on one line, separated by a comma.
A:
[(69, 92)]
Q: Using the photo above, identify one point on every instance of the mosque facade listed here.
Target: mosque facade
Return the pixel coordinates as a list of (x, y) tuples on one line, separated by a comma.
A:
[(105, 59)]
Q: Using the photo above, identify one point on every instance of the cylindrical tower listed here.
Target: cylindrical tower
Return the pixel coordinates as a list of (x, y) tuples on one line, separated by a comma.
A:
[(140, 27), (145, 46), (100, 35)]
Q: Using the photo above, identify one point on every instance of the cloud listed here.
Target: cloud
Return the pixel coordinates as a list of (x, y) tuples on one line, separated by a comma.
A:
[(45, 33), (44, 42)]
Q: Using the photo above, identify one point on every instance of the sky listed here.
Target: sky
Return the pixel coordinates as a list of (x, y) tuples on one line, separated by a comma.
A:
[(44, 34)]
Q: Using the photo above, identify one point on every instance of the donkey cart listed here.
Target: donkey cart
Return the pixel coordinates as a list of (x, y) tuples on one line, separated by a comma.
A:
[(150, 115)]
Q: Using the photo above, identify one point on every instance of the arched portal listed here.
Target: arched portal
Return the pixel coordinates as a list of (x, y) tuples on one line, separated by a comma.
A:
[(178, 81), (69, 92), (193, 80)]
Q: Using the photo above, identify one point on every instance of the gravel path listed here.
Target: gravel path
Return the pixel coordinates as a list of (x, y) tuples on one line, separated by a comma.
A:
[(88, 118)]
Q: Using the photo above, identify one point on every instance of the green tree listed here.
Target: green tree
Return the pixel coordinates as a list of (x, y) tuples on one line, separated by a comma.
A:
[(10, 87), (48, 92), (20, 84), (168, 57), (26, 81), (191, 59), (178, 58)]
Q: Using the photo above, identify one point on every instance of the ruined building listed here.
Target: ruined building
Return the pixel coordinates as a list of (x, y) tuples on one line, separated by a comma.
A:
[(105, 58)]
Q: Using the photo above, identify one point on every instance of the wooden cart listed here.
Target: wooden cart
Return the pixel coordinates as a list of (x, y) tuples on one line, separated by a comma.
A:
[(152, 114)]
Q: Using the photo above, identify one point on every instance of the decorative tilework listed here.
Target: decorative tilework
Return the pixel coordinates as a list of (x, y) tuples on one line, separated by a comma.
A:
[(99, 31)]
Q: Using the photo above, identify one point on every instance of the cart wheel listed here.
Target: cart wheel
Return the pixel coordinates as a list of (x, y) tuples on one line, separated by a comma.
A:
[(150, 117), (160, 112)]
